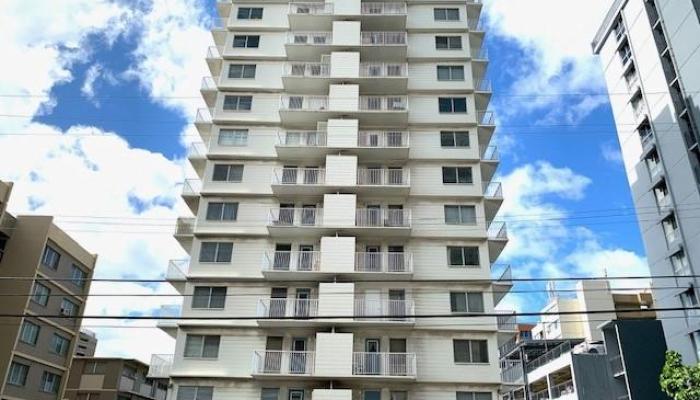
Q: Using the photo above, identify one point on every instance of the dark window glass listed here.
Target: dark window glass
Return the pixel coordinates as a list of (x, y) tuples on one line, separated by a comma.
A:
[(241, 71)]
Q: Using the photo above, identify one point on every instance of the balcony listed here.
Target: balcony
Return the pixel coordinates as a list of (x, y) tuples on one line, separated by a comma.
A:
[(507, 325), (208, 89), (190, 193), (489, 161), (511, 371), (309, 45), (384, 310), (390, 181), (383, 263), (203, 121), (398, 365), (286, 312), (283, 363), (383, 45), (160, 366), (299, 181), (282, 263), (184, 232), (564, 390), (214, 60), (497, 238), (493, 199), (382, 221), (304, 110), (176, 273), (371, 145), (291, 222), (197, 155)]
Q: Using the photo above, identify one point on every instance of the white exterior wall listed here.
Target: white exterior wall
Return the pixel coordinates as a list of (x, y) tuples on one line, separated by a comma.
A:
[(263, 109), (268, 76), (345, 64), (425, 110), (338, 254), (271, 46), (346, 33), (423, 76), (422, 46), (342, 133), (261, 143), (339, 210)]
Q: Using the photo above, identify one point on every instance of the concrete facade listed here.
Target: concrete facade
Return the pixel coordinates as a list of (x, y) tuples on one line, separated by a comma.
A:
[(87, 344), (107, 378), (36, 349), (648, 49)]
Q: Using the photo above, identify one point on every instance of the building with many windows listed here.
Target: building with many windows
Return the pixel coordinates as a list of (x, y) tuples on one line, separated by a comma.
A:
[(649, 50), (344, 191), (87, 344), (111, 378), (52, 276)]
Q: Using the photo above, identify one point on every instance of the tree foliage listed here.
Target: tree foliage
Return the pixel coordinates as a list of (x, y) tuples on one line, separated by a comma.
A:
[(678, 381)]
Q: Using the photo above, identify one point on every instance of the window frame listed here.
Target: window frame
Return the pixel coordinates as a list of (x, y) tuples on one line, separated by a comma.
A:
[(463, 175), (246, 41), (472, 395), (451, 75), (243, 102), (249, 13), (237, 135), (455, 141), (470, 352), (44, 296), (23, 369), (200, 353), (463, 255), (466, 295), (72, 310), (460, 208), (243, 69), (37, 330), (454, 106), (196, 392), (54, 381), (446, 17), (227, 208), (217, 253), (229, 168), (50, 257), (62, 350), (452, 42), (78, 281), (209, 297)]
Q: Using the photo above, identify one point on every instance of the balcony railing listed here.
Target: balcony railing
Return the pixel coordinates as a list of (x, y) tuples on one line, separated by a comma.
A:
[(388, 8), (382, 139), (382, 70), (548, 356), (480, 54), (541, 395), (616, 365), (292, 261), (383, 176), (308, 69), (299, 176), (485, 118), (302, 139), (185, 226), (383, 103), (204, 116), (384, 364), (378, 217), (160, 366), (511, 371), (475, 24), (208, 84), (380, 262), (197, 150), (498, 231), (383, 38), (178, 269), (507, 321), (483, 85), (305, 103), (169, 311), (384, 310), (311, 8), (213, 52), (493, 190), (287, 308), (191, 187), (310, 38), (489, 153), (563, 389), (296, 216), (279, 362)]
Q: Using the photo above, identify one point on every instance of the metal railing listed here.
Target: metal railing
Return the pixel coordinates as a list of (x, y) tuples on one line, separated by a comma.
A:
[(306, 216), (299, 176), (383, 103), (384, 364), (382, 70), (302, 139), (383, 262), (548, 356), (383, 176), (480, 54), (204, 116), (379, 8), (219, 24), (279, 362), (310, 38), (383, 38), (563, 389), (507, 321), (304, 103), (191, 187), (213, 52), (489, 153), (382, 139), (197, 150), (475, 24), (384, 310), (493, 190), (483, 85), (616, 365), (378, 217), (178, 269), (292, 261), (315, 8), (497, 231), (511, 371), (307, 69), (160, 365), (485, 118), (287, 308), (170, 311), (506, 347), (208, 84), (185, 226), (541, 395)]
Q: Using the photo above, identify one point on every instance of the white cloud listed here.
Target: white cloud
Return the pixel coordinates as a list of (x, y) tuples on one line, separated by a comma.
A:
[(611, 152), (93, 76)]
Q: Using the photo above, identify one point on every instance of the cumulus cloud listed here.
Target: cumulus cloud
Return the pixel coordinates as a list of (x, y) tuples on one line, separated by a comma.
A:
[(611, 152), (93, 76)]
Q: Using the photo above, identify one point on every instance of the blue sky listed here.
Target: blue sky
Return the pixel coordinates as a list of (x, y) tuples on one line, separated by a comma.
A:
[(113, 89)]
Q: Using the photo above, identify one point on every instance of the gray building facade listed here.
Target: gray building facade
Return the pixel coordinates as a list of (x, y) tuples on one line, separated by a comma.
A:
[(649, 51)]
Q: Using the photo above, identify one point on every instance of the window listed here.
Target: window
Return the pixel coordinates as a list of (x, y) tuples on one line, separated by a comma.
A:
[(625, 53), (372, 395), (689, 299), (450, 72), (233, 137), (452, 104), (228, 173), (448, 42), (270, 394), (50, 258), (40, 294), (463, 256), (670, 228), (470, 351), (77, 276), (460, 215), (209, 297), (461, 175), (454, 139), (50, 382), (238, 103), (680, 263), (18, 374), (59, 345), (94, 367), (446, 14), (246, 41), (216, 252), (29, 333), (202, 346), (195, 393), (241, 71), (250, 13), (474, 396), (221, 211), (69, 308), (467, 302)]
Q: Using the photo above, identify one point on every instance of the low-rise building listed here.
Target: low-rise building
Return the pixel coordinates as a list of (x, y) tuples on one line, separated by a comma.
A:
[(102, 378)]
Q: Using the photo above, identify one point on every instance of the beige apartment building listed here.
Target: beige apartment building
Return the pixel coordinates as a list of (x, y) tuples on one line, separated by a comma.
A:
[(51, 273), (113, 378), (344, 194)]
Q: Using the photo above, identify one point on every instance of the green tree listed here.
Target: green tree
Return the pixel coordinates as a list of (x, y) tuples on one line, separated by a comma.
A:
[(678, 381)]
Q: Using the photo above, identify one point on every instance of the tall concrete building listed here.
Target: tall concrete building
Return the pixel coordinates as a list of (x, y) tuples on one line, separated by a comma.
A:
[(649, 49), (87, 344), (345, 191), (50, 274)]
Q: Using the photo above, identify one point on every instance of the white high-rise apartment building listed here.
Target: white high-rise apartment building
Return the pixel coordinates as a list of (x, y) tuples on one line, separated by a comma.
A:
[(345, 192), (650, 50)]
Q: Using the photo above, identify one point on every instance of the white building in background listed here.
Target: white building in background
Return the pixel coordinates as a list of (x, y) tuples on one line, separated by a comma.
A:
[(344, 189), (649, 50)]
